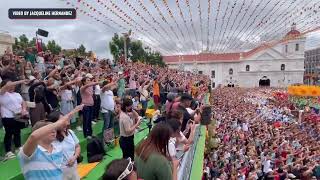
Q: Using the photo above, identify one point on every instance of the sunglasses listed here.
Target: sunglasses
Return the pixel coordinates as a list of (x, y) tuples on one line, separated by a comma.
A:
[(128, 170)]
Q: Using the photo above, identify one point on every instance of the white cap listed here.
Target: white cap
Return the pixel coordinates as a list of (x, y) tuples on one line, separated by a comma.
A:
[(31, 78), (269, 170), (89, 76)]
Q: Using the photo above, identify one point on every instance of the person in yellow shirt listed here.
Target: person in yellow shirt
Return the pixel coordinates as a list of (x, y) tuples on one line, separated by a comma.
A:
[(194, 91), (156, 93)]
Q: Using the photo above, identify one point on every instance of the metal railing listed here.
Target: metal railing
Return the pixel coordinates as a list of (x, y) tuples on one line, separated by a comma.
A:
[(185, 168)]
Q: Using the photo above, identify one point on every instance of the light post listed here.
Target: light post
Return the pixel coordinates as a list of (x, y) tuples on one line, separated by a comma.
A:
[(126, 37)]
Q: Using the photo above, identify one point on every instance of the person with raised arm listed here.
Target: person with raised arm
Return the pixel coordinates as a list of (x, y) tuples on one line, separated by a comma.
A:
[(11, 106), (86, 92), (66, 104), (107, 109), (39, 157), (144, 95)]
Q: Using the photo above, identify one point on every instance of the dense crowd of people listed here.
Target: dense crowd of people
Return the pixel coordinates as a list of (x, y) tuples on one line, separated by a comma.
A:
[(49, 92), (255, 137)]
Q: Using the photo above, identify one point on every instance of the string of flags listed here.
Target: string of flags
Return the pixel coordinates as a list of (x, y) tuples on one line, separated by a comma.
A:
[(188, 27)]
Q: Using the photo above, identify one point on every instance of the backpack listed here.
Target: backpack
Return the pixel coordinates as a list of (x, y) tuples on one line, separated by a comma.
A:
[(95, 150)]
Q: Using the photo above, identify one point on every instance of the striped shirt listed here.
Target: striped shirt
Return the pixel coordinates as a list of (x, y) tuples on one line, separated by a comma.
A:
[(68, 146), (42, 164)]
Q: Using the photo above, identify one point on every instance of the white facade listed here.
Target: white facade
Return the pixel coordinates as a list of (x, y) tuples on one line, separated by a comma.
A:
[(6, 42), (266, 62)]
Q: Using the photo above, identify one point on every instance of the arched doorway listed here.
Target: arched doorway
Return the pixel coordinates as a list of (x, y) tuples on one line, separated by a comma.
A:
[(264, 82)]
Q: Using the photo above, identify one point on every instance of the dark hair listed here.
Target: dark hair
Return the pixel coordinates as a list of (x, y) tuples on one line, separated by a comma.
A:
[(83, 80), (175, 115), (194, 104), (4, 82), (40, 124), (156, 142), (114, 169), (10, 75), (60, 136), (186, 97), (54, 116), (125, 103), (104, 83), (174, 124)]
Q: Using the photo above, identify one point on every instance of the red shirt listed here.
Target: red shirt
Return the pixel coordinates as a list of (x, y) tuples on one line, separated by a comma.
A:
[(284, 154)]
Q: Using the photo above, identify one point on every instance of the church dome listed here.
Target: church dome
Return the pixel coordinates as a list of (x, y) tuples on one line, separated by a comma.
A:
[(293, 32)]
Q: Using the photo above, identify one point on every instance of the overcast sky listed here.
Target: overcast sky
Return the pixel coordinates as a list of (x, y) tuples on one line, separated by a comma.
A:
[(95, 36), (67, 33)]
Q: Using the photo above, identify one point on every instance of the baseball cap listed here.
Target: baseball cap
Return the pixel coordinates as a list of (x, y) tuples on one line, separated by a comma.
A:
[(31, 78), (89, 76)]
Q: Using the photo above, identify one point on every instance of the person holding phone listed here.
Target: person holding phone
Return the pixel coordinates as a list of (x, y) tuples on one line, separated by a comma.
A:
[(129, 121), (152, 156), (39, 157)]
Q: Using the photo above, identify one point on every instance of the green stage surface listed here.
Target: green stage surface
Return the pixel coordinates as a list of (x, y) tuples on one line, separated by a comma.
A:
[(10, 170), (116, 153), (197, 164)]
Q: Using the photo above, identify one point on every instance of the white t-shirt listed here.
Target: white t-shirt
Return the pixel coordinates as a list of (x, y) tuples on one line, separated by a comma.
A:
[(24, 89), (68, 146), (40, 60), (172, 147), (266, 166), (97, 90), (245, 127), (66, 95), (135, 103), (107, 101), (132, 83), (144, 93), (181, 139), (10, 104), (190, 111)]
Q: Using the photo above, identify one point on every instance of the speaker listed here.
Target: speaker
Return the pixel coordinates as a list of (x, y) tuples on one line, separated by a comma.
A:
[(42, 32)]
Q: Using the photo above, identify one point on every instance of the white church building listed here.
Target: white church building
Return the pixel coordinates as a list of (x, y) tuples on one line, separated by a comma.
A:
[(6, 42), (277, 65)]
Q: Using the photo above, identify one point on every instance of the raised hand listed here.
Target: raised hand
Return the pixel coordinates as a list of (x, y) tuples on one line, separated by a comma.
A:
[(78, 108)]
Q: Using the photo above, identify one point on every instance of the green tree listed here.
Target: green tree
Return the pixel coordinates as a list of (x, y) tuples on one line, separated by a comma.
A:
[(116, 47), (136, 51), (16, 45), (44, 47), (32, 43), (81, 50), (53, 47), (23, 41)]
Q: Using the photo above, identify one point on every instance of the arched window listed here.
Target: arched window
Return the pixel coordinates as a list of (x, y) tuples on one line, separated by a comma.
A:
[(283, 67), (213, 85), (213, 74), (230, 71), (247, 67), (286, 48), (297, 47)]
